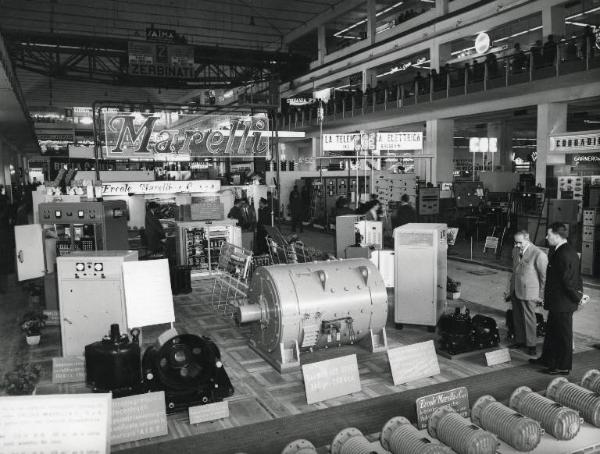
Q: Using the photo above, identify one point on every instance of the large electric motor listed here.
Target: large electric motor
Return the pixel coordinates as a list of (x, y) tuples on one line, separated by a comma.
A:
[(188, 369), (113, 364), (315, 305)]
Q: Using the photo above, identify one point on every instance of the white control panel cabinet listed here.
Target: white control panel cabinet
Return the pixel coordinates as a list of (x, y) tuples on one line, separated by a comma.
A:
[(421, 270), (91, 296)]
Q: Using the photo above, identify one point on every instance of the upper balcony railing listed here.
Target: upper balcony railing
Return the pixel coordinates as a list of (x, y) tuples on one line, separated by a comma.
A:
[(537, 63)]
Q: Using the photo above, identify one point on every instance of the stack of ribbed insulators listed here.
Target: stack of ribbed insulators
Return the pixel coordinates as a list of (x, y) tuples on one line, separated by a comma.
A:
[(561, 422), (522, 433), (453, 430), (586, 402), (350, 441), (399, 436), (300, 446)]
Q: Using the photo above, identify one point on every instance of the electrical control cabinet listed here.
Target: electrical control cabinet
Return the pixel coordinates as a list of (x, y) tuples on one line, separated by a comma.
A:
[(345, 233), (429, 201), (420, 252), (91, 296)]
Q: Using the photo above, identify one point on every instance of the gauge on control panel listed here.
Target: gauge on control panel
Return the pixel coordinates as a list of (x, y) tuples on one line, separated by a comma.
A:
[(80, 266), (80, 214), (98, 266)]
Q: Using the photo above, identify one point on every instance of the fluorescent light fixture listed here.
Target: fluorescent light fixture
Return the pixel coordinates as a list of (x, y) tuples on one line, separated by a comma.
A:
[(585, 12), (362, 21)]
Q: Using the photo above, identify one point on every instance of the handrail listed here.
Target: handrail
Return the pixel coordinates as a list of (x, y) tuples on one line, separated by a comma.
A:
[(539, 62)]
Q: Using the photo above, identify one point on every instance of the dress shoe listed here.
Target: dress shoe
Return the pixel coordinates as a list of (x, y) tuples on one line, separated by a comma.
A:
[(516, 345), (537, 361), (558, 371), (531, 351)]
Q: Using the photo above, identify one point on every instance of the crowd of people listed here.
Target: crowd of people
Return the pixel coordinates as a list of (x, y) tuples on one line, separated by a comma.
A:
[(539, 55)]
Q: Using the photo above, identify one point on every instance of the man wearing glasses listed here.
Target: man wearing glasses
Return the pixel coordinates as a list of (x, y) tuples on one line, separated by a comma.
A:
[(526, 290)]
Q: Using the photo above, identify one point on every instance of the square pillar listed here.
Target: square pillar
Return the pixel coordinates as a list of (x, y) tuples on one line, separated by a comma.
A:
[(439, 54), (369, 77), (503, 131), (321, 43), (551, 119), (441, 7), (553, 21), (371, 21), (439, 142)]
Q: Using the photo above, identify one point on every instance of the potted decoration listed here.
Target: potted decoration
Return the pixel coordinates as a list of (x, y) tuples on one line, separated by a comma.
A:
[(22, 380), (32, 324)]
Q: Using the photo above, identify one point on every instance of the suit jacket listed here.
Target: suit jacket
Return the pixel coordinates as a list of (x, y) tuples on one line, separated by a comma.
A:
[(404, 215), (529, 273), (564, 287), (237, 214)]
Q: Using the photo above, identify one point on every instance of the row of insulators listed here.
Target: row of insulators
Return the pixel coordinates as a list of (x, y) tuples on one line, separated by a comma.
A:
[(520, 425)]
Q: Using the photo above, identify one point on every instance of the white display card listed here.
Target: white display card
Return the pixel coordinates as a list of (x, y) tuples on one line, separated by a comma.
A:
[(331, 378), (413, 362), (208, 412)]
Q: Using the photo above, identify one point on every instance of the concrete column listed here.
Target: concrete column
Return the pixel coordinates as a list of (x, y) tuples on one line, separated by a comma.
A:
[(316, 147), (371, 21), (503, 131), (439, 141), (369, 77), (551, 119), (439, 54), (321, 43), (553, 21), (441, 7)]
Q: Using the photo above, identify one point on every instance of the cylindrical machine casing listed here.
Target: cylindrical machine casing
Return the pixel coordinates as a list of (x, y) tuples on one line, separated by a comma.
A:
[(399, 436), (585, 401), (316, 304), (300, 446), (350, 441), (561, 422), (520, 432), (457, 432), (591, 380)]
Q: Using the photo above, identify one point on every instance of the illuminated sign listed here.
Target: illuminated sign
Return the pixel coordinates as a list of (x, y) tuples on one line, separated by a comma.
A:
[(482, 43), (575, 143), (164, 135), (295, 102), (483, 144)]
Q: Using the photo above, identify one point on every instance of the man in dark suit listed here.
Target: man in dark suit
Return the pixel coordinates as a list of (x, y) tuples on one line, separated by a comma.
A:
[(405, 213), (563, 292)]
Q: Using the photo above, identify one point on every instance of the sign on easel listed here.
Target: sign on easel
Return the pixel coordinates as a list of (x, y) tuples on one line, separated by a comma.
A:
[(499, 356), (138, 417), (55, 423), (457, 398), (491, 242), (413, 362), (331, 378)]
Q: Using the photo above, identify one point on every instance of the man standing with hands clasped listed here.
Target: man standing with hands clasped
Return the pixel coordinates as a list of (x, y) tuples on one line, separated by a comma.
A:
[(526, 290), (563, 293)]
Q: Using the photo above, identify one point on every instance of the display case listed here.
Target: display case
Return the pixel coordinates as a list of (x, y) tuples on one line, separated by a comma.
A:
[(198, 244)]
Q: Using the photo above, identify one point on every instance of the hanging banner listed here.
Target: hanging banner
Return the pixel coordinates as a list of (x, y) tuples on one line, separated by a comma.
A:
[(581, 142), (348, 144), (169, 135), (298, 102), (399, 141)]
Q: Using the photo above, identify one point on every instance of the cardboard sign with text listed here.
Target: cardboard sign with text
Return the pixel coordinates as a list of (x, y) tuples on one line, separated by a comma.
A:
[(457, 398), (208, 412), (138, 417), (413, 362), (55, 423), (68, 369), (499, 356), (331, 378)]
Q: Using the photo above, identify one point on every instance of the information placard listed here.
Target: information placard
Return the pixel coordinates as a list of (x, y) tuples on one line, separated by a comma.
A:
[(457, 398), (499, 356), (138, 417), (148, 295), (55, 423), (413, 362), (331, 378), (208, 412), (68, 369)]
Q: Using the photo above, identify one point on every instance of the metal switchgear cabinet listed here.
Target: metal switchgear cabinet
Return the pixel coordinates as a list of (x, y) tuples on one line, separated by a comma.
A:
[(421, 270), (91, 296)]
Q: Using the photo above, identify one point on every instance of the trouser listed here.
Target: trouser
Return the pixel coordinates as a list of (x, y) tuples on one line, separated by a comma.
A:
[(297, 222), (558, 343), (524, 321)]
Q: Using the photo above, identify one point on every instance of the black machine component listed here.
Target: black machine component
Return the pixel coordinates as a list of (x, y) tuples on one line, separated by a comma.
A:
[(113, 364), (452, 286), (188, 369), (510, 325), (456, 332), (485, 332)]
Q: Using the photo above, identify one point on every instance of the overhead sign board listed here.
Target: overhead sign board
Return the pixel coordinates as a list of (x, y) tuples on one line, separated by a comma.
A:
[(163, 135), (160, 187), (576, 142), (296, 102), (160, 60), (350, 143), (160, 34), (399, 141), (483, 144)]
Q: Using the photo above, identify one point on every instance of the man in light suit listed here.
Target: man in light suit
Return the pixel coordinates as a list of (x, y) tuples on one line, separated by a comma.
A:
[(527, 285)]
